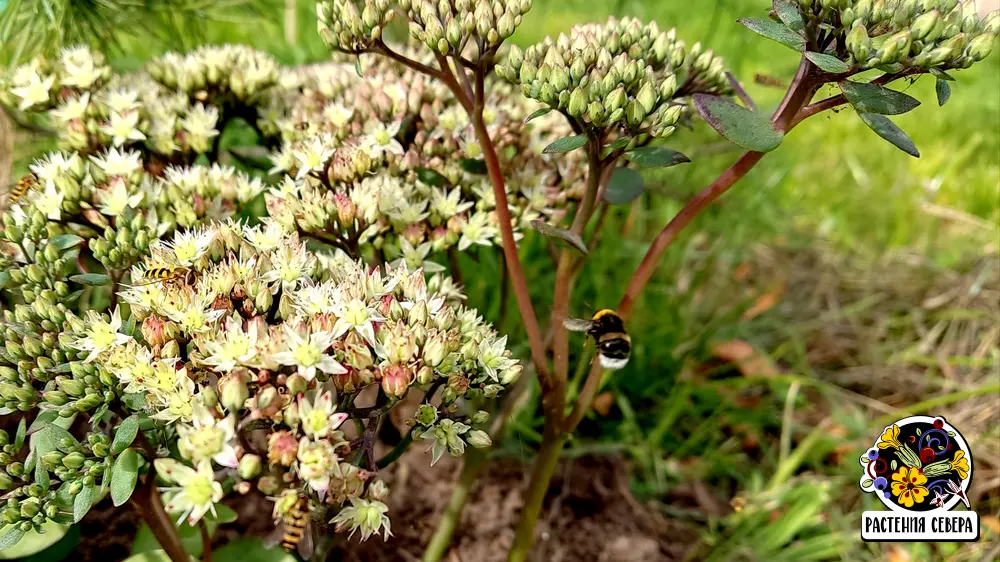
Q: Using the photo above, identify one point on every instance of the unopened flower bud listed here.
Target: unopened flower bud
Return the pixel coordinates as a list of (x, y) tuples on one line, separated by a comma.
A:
[(924, 24), (249, 467), (858, 43), (281, 448), (234, 391), (982, 46), (396, 380), (296, 384), (478, 439), (378, 491)]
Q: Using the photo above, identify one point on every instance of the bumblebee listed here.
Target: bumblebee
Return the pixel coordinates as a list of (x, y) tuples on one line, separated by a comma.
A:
[(167, 274), (24, 185), (608, 330), (294, 531)]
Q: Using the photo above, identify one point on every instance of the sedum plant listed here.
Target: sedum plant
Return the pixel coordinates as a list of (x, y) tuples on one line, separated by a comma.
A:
[(155, 341)]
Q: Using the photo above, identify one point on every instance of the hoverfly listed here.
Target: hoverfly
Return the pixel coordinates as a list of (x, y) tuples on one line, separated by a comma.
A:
[(608, 330), (167, 274), (294, 530), (24, 185)]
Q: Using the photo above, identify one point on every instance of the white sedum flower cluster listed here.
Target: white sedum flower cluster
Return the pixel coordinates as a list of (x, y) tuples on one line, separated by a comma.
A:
[(269, 334)]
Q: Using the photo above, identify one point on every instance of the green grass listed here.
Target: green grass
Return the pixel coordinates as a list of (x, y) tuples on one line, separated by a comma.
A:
[(832, 189)]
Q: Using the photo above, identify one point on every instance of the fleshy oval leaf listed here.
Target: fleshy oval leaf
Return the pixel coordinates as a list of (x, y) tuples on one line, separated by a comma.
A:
[(888, 130), (751, 130), (872, 98)]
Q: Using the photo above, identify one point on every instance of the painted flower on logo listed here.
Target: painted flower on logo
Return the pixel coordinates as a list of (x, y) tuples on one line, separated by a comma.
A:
[(960, 464), (908, 485), (889, 438)]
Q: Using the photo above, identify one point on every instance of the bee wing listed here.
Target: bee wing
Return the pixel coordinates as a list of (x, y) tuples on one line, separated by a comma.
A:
[(273, 538), (577, 324), (306, 546)]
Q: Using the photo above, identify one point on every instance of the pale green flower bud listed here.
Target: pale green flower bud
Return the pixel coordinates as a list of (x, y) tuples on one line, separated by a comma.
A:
[(378, 491), (596, 112), (895, 47), (481, 416), (478, 439), (249, 467), (511, 374), (577, 103), (924, 24), (858, 43), (296, 384), (234, 392), (634, 113), (615, 100), (73, 460), (505, 26), (425, 375), (981, 46), (170, 349), (647, 97)]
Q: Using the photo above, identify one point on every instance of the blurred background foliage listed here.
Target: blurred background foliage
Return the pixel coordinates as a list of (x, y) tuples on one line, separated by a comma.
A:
[(840, 285)]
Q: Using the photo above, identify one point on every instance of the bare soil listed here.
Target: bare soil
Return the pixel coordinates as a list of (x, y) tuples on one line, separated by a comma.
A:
[(589, 516)]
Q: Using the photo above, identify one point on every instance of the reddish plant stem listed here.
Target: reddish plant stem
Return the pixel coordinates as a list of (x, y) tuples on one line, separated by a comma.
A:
[(146, 500), (801, 90), (206, 542), (514, 269)]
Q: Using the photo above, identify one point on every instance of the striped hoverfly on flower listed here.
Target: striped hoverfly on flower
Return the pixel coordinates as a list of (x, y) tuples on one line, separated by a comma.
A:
[(294, 530), (167, 274)]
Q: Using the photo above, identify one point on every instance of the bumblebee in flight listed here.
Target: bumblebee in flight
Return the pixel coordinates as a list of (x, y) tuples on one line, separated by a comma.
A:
[(608, 330)]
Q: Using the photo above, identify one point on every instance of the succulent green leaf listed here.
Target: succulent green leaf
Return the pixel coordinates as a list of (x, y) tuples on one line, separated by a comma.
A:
[(47, 439), (775, 31), (828, 63), (11, 537), (244, 549), (555, 232), (566, 144), (123, 476), (431, 177), (34, 546), (474, 166), (4, 279), (65, 241), (82, 503), (252, 156), (618, 143), (19, 436), (888, 130), (94, 279), (223, 514), (624, 186), (42, 477), (872, 98), (537, 113), (125, 434), (943, 90), (789, 14), (751, 130), (655, 157)]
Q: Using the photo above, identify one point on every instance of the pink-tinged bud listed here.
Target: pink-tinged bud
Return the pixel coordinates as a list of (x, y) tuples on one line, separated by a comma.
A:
[(400, 345), (358, 356), (346, 208), (233, 391), (396, 380), (414, 233), (459, 384), (268, 485), (158, 331), (344, 382), (457, 223), (268, 402), (243, 488), (385, 305), (282, 448)]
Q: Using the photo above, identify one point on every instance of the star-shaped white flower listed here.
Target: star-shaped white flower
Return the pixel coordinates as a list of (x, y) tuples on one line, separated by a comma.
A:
[(34, 92), (101, 335), (308, 353), (196, 492)]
